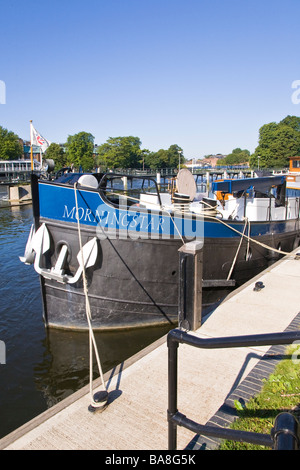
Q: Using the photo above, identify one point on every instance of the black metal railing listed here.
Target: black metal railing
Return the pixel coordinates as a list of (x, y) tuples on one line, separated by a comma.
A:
[(284, 434)]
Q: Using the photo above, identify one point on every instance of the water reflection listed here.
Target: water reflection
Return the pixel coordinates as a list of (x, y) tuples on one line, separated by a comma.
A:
[(65, 365)]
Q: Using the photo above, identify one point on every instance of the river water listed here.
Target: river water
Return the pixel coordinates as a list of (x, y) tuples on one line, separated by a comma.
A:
[(42, 366)]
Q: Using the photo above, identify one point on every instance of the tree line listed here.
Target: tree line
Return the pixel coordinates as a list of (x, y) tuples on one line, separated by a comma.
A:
[(276, 144), (116, 152), (80, 152)]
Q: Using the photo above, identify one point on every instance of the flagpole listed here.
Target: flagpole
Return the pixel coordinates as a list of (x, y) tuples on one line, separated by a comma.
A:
[(31, 154)]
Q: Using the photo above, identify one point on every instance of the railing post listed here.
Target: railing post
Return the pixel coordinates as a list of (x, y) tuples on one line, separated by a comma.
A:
[(285, 432), (190, 285), (172, 392)]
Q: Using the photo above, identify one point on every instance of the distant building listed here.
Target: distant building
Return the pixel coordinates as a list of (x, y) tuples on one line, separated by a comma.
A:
[(212, 160), (209, 161), (294, 164), (35, 151)]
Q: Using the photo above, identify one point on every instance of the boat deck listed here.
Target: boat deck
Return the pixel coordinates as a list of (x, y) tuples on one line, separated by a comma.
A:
[(136, 417)]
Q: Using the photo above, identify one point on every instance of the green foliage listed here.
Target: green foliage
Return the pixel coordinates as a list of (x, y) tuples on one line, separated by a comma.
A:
[(277, 143), (57, 154), (292, 121), (126, 152), (10, 146), (79, 150), (280, 392), (236, 157), (238, 405), (165, 158), (121, 152)]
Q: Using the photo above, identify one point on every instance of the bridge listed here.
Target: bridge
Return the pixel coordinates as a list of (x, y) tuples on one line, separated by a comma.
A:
[(17, 171)]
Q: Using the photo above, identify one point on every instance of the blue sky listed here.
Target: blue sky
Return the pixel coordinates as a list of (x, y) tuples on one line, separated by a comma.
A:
[(202, 74)]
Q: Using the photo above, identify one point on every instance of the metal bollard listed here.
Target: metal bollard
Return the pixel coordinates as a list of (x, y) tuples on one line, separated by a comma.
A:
[(285, 432), (190, 285)]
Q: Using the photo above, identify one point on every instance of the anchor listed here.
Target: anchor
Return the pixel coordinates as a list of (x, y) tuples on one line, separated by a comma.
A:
[(29, 253), (39, 243)]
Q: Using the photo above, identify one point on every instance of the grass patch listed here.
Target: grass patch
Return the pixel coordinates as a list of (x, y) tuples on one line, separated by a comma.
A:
[(280, 392)]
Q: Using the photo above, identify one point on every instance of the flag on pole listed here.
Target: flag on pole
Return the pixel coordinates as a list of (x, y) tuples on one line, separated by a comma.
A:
[(37, 139)]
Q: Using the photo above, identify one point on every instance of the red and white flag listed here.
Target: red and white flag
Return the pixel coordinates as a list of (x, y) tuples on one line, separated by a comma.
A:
[(37, 139)]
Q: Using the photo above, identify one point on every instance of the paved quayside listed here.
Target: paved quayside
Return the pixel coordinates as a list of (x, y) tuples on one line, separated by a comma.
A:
[(136, 417)]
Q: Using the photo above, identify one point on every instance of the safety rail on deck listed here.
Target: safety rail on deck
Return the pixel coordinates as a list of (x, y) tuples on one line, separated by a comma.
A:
[(285, 433)]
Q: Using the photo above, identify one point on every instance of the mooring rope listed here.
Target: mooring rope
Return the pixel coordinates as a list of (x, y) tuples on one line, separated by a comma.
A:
[(238, 249), (250, 238), (92, 341)]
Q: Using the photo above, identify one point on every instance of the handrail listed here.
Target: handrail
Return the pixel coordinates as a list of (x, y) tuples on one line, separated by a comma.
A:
[(278, 436), (110, 176)]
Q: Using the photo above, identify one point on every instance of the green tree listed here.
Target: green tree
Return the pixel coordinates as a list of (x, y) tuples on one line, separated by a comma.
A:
[(236, 157), (277, 143), (157, 159), (121, 152), (174, 155), (165, 158), (57, 154), (292, 121), (79, 150), (10, 145)]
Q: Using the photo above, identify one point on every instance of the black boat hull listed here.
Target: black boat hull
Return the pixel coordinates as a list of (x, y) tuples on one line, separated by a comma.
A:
[(134, 283)]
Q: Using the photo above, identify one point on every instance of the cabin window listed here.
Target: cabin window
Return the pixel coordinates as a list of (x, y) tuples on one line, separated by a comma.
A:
[(296, 163), (127, 190)]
